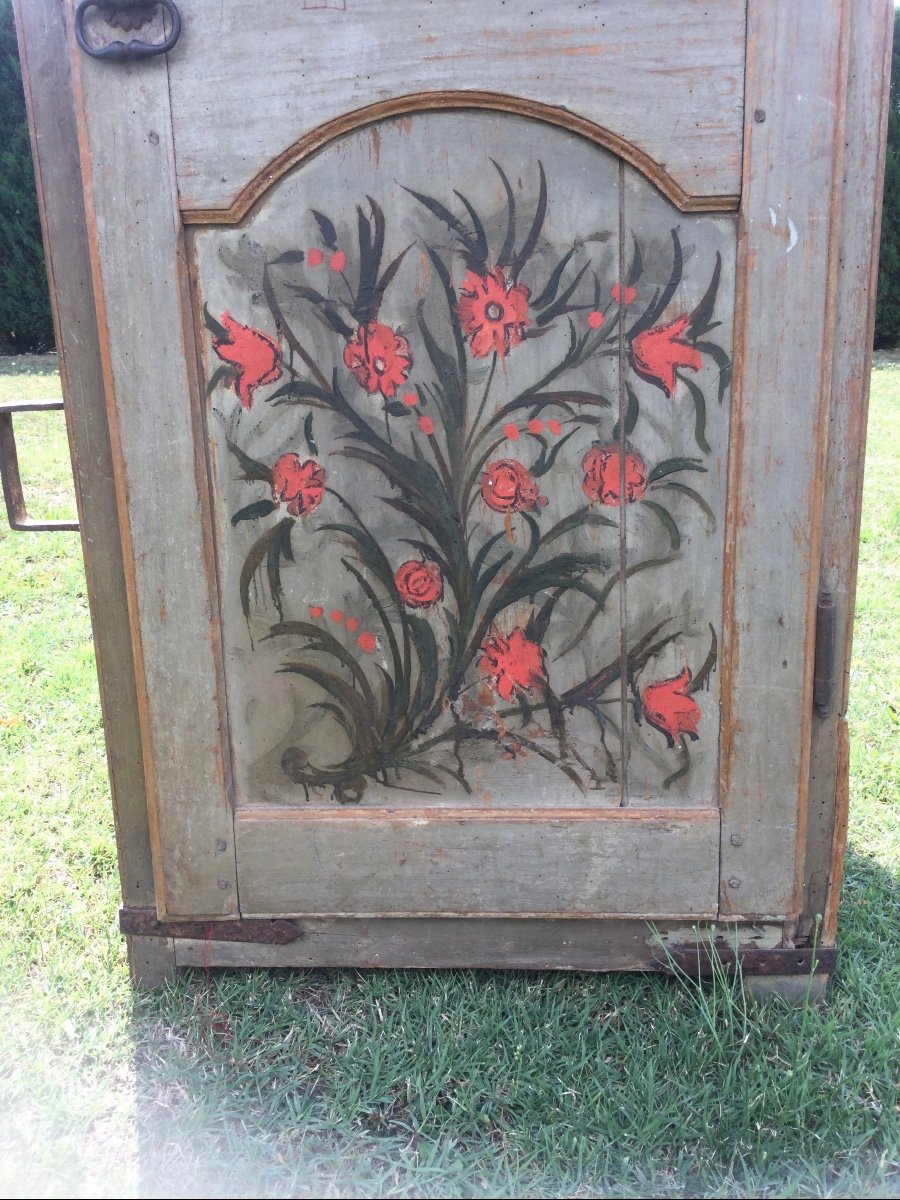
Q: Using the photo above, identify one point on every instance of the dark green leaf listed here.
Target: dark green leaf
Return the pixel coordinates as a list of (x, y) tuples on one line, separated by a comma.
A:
[(527, 248), (722, 361), (632, 412), (220, 375), (695, 496), (256, 555), (396, 408), (327, 230), (575, 520), (321, 639), (552, 286), (636, 268), (669, 465), (260, 508), (308, 435), (289, 257), (709, 664), (251, 468), (427, 654), (213, 325), (546, 464), (296, 391), (699, 414), (559, 306), (669, 525), (702, 314), (510, 240)]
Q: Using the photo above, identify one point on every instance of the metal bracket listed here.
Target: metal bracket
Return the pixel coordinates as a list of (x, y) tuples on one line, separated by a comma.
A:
[(16, 509), (128, 16), (701, 960), (823, 678), (143, 922)]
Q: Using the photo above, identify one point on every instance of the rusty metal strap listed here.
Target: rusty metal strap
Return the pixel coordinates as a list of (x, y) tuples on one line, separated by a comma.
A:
[(701, 960), (143, 922), (16, 509)]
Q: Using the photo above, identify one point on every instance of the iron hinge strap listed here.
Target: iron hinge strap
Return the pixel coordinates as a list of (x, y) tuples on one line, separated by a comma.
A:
[(823, 671), (143, 922), (701, 960)]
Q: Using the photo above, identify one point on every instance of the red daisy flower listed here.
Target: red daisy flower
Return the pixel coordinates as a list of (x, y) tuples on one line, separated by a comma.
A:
[(254, 355), (379, 358), (492, 313), (512, 663), (301, 484)]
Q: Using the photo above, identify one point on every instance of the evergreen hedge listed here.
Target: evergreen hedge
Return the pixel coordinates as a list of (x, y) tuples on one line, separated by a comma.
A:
[(25, 323)]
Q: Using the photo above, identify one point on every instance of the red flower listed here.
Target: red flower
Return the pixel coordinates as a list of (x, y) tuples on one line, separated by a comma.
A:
[(426, 425), (379, 358), (301, 484), (554, 426), (492, 313), (507, 486), (410, 399), (254, 354), (536, 426), (367, 642), (352, 624), (316, 611), (657, 353), (511, 431), (626, 295), (314, 258), (594, 319), (338, 260), (337, 616), (669, 708), (512, 663), (420, 584), (602, 466)]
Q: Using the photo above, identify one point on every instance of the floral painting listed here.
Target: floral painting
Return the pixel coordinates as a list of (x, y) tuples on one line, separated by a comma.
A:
[(454, 508)]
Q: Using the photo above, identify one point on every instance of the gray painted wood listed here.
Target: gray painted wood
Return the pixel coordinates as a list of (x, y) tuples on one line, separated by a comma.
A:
[(865, 126), (128, 169), (667, 75), (575, 945), (782, 388), (383, 863), (45, 65)]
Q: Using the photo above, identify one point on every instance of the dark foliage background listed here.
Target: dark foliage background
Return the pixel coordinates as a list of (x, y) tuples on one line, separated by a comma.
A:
[(25, 322)]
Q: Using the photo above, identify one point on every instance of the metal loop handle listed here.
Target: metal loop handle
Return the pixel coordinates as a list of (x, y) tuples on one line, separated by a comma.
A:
[(135, 48)]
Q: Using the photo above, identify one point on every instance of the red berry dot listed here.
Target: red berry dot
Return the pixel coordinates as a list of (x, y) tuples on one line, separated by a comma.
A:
[(554, 426), (426, 425), (511, 431), (352, 624), (336, 615), (338, 260), (368, 642), (595, 319), (536, 425), (316, 611), (410, 399), (314, 258)]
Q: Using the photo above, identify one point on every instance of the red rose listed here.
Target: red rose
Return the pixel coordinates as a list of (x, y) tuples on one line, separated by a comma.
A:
[(254, 355), (507, 486), (379, 358), (301, 484), (512, 663), (656, 353), (492, 314), (420, 584), (602, 466), (669, 708)]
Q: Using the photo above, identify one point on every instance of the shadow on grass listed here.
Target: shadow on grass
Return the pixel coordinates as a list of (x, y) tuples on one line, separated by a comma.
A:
[(473, 1083)]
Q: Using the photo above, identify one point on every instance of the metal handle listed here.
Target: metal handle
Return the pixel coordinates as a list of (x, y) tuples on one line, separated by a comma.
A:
[(823, 676), (16, 510), (135, 48)]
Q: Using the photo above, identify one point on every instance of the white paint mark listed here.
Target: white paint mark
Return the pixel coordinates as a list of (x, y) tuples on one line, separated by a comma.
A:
[(793, 236), (772, 217)]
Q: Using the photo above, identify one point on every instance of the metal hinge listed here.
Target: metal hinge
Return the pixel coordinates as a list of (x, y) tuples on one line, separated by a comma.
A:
[(703, 960), (823, 678), (143, 922)]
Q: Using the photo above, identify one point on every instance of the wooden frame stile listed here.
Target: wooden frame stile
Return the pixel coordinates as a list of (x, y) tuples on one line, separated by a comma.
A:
[(43, 50), (869, 66), (792, 151), (172, 605)]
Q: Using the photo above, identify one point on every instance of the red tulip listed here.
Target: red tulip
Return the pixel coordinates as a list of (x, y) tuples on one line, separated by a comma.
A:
[(301, 484), (512, 663), (420, 584), (602, 466), (492, 313), (254, 355), (669, 708), (657, 353)]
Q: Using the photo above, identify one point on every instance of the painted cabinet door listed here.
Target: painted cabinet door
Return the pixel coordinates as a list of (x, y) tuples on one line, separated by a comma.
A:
[(466, 385)]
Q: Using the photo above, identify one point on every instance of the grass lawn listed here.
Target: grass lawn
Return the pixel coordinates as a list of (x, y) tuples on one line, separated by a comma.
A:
[(353, 1083)]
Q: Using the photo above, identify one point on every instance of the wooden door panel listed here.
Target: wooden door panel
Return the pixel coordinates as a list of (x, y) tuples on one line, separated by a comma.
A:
[(396, 631), (666, 77), (478, 863)]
